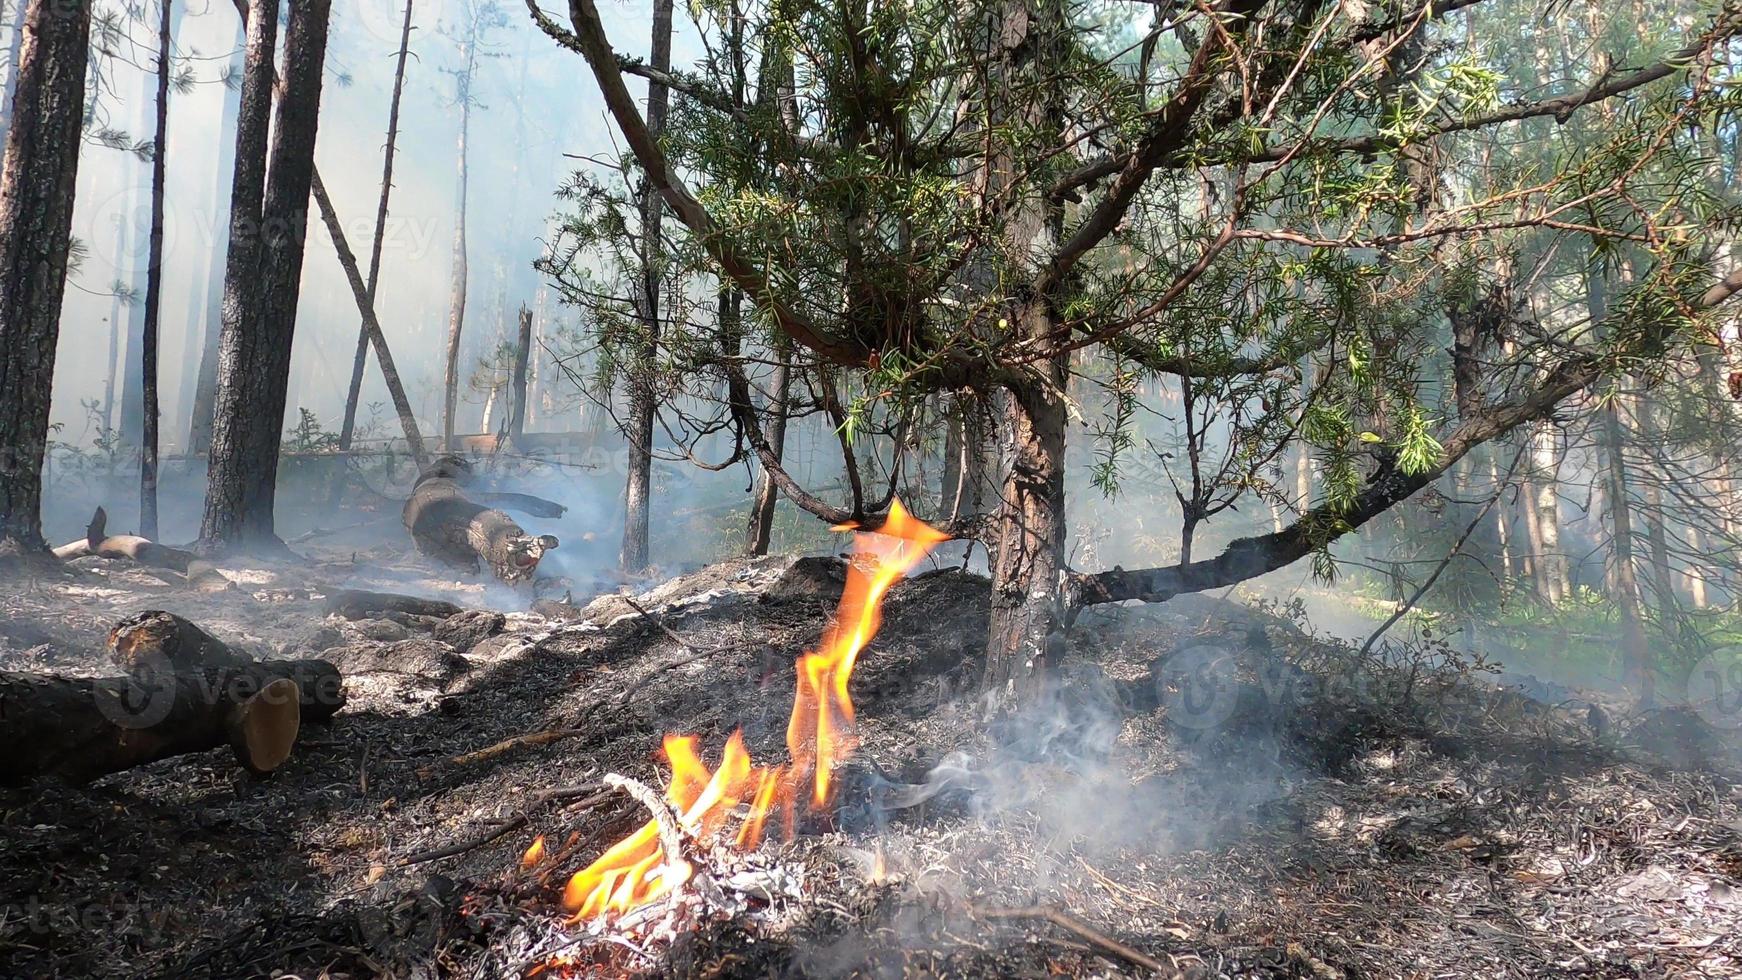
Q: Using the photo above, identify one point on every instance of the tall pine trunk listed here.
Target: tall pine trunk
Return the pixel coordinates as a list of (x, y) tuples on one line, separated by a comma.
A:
[(761, 529), (206, 381), (154, 285), (643, 395), (41, 167), (517, 379), (1550, 562), (1635, 658), (457, 306), (254, 366), (348, 427)]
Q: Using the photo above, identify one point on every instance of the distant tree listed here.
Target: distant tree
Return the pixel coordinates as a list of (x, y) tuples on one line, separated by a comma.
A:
[(154, 281), (473, 37), (348, 427)]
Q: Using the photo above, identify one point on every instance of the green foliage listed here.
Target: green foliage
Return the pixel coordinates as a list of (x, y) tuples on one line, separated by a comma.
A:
[(308, 435)]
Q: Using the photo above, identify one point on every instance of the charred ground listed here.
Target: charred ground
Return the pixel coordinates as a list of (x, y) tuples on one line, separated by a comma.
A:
[(1378, 820)]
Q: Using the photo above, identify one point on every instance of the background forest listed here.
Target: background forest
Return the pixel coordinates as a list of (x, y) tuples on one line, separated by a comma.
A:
[(1357, 231)]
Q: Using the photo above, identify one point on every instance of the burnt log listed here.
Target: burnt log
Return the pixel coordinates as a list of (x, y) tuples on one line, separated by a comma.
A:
[(453, 529), (77, 729), (357, 604)]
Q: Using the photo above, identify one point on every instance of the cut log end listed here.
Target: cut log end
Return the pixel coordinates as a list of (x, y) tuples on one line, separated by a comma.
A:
[(263, 728)]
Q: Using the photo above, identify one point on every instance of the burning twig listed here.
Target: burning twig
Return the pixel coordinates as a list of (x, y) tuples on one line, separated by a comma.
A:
[(670, 834), (589, 794), (1082, 930)]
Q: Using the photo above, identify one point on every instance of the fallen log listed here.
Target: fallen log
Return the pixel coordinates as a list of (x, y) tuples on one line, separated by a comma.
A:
[(525, 503), (452, 528), (98, 541), (357, 604), (80, 728), (161, 642), (190, 570)]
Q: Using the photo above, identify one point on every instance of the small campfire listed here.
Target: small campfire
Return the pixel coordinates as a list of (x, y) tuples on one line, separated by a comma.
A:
[(708, 819)]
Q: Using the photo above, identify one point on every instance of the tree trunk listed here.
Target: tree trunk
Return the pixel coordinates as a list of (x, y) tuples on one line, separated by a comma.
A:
[(1026, 613), (114, 365), (1635, 658), (1551, 563), (1656, 518), (643, 393), (1502, 524), (348, 428), (205, 389), (517, 380), (254, 367), (457, 307), (154, 285), (767, 494), (371, 325), (1533, 564), (36, 214)]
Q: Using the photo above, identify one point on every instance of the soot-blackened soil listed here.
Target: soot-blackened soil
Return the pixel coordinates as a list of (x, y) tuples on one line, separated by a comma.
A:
[(1326, 819)]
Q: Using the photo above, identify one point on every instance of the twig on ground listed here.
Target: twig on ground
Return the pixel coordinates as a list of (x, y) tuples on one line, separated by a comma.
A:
[(321, 532), (544, 737), (1082, 930), (696, 654), (589, 794)]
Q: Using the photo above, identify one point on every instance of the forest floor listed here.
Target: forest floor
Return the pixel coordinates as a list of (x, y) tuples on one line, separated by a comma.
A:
[(1361, 819)]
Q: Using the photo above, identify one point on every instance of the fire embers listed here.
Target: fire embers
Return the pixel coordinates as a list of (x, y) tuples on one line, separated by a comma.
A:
[(731, 805)]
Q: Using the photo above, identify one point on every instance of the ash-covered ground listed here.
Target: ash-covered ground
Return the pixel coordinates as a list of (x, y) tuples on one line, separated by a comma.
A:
[(1319, 816)]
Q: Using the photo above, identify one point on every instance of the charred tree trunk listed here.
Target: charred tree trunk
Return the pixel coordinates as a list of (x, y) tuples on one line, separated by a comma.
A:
[(517, 380), (204, 397), (154, 285), (254, 367), (36, 215), (767, 493), (348, 428), (643, 393), (457, 307)]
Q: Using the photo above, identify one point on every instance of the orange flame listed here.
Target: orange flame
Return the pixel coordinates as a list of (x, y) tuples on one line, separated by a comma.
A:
[(819, 735), (534, 854)]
